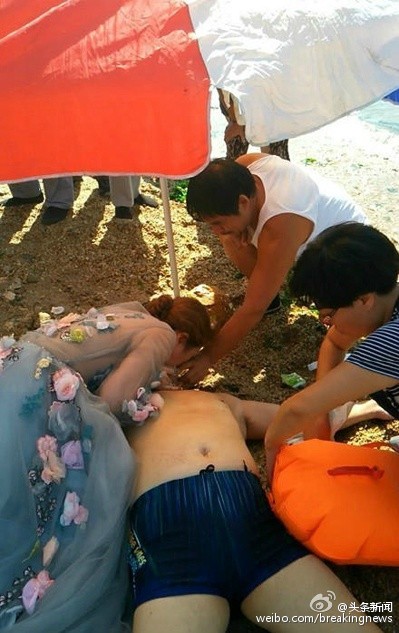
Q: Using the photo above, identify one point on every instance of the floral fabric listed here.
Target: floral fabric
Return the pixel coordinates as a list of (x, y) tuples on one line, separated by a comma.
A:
[(67, 474)]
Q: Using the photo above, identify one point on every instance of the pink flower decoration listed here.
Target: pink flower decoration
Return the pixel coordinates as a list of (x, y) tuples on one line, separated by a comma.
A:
[(6, 348), (54, 469), (67, 320), (49, 328), (6, 345), (71, 455), (34, 589), (129, 407), (143, 406), (140, 415), (5, 352), (56, 406), (66, 384), (140, 393), (156, 401), (73, 511), (45, 444)]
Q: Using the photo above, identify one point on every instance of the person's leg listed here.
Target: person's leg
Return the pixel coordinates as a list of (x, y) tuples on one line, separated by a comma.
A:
[(103, 185), (125, 192), (236, 143), (234, 134), (27, 192), (59, 192), (26, 189), (135, 183), (367, 410), (121, 191), (122, 196), (59, 196), (291, 592), (142, 198), (351, 413), (179, 573), (180, 614), (279, 148)]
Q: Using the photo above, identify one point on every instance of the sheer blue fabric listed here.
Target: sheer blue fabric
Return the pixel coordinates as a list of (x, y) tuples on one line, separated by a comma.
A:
[(66, 480)]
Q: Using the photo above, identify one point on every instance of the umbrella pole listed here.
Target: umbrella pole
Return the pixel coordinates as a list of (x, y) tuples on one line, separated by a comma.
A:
[(169, 235)]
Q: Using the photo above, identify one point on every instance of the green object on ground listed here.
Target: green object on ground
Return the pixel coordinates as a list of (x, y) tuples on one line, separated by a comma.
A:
[(293, 380)]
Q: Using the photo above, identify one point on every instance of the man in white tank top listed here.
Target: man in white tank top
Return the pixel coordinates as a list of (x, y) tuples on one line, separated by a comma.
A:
[(264, 210)]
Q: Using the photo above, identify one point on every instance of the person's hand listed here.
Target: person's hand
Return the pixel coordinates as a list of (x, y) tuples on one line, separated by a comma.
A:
[(278, 433), (194, 370), (270, 459), (273, 440), (167, 380)]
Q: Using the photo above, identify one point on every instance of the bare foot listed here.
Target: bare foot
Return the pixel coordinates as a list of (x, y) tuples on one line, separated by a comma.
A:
[(367, 410)]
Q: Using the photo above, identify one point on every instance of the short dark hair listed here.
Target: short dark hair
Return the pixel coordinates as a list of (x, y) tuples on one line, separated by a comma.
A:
[(344, 262), (215, 191)]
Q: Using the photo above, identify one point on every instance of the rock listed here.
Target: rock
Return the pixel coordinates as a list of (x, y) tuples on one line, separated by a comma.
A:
[(16, 284), (9, 295), (216, 302), (9, 326), (32, 278)]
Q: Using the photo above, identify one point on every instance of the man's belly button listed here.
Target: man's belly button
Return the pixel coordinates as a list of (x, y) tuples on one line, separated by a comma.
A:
[(204, 450)]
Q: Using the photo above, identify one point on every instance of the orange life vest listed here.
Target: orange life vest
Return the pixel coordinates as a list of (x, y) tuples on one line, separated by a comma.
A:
[(340, 501)]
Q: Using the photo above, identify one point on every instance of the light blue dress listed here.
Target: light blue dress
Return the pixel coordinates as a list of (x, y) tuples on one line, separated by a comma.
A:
[(66, 483)]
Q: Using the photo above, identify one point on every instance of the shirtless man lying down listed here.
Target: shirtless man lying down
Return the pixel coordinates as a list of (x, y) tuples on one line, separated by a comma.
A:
[(202, 534)]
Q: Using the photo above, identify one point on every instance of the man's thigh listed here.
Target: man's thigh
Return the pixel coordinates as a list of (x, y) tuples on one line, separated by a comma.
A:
[(182, 614), (290, 593)]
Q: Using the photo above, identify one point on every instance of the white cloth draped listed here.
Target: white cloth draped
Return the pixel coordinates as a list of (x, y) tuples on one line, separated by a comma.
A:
[(294, 67)]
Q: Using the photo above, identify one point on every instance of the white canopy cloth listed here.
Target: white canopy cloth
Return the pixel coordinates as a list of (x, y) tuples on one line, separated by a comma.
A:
[(295, 66)]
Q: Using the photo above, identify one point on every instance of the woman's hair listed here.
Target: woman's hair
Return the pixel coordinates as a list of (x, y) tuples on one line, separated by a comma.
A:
[(183, 314), (216, 190), (343, 263)]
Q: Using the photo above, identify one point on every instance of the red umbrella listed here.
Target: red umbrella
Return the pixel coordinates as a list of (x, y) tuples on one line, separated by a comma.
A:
[(119, 87), (124, 87)]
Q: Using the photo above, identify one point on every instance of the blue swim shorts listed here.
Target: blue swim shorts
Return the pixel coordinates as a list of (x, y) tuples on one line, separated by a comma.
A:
[(213, 533)]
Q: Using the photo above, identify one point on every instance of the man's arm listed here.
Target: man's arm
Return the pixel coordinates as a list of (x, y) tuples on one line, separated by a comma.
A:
[(302, 413), (256, 416), (278, 245), (152, 349), (332, 351)]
